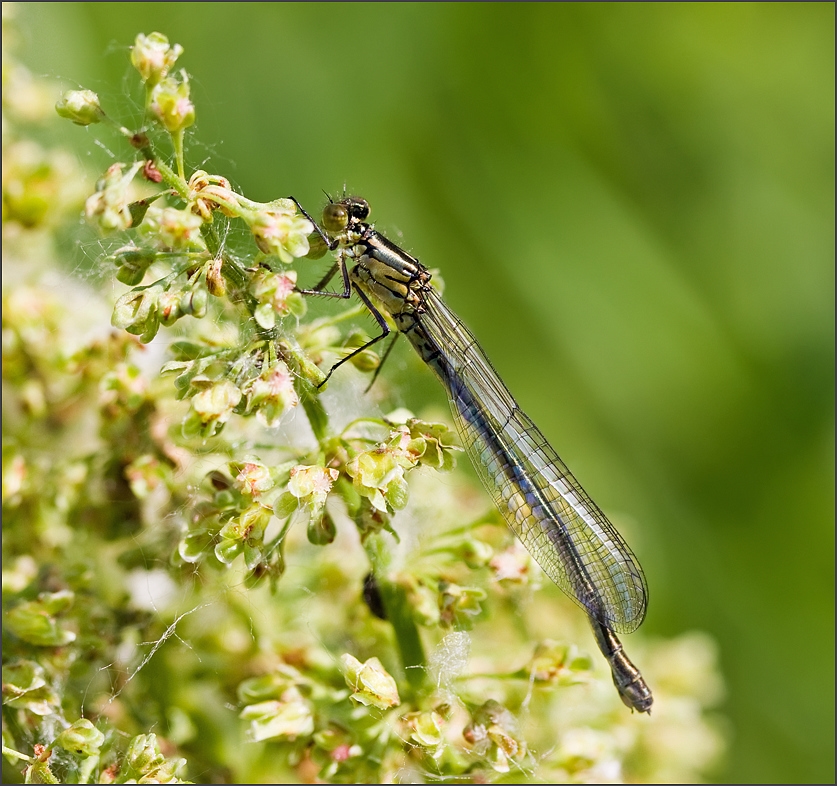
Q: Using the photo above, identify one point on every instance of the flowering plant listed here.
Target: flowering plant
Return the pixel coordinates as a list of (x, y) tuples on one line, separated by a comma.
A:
[(194, 536)]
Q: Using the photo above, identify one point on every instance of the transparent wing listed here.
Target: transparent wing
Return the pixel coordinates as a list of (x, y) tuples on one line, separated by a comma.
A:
[(546, 507)]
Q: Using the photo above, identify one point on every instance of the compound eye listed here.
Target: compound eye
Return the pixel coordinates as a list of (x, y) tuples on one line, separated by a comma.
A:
[(359, 208), (335, 217)]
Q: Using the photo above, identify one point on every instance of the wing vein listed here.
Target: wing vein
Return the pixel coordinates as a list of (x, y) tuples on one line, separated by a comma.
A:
[(543, 503)]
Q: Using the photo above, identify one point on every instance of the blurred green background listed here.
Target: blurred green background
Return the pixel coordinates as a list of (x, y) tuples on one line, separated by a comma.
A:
[(633, 207)]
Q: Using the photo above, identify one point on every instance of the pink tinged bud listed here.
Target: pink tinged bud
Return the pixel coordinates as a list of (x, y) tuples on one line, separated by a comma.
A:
[(276, 295), (169, 307), (285, 284), (272, 394), (254, 479), (313, 482), (341, 753), (281, 232), (80, 106), (151, 173), (511, 565), (153, 57), (474, 734), (144, 474), (169, 103)]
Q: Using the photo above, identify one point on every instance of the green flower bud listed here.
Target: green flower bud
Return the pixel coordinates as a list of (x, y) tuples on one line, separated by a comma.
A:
[(215, 283), (425, 728), (194, 302), (424, 603), (397, 493), (559, 663), (302, 364), (25, 687), (253, 556), (215, 403), (244, 535), (374, 473), (109, 207), (474, 553), (288, 718), (172, 229), (492, 731), (143, 755), (285, 505), (265, 316), (80, 106), (366, 361), (132, 263), (137, 312), (268, 686), (169, 103), (459, 605), (321, 529), (35, 621), (153, 57), (194, 546), (370, 682), (432, 440), (82, 738), (144, 474), (227, 550)]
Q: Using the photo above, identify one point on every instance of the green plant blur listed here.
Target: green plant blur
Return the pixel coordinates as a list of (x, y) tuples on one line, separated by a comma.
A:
[(633, 208)]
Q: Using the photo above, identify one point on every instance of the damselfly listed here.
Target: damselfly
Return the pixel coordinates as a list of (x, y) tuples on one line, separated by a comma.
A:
[(543, 503)]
